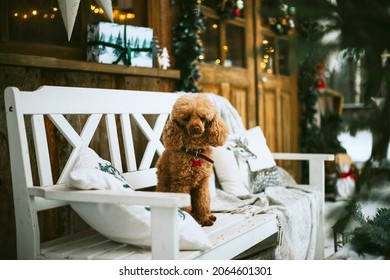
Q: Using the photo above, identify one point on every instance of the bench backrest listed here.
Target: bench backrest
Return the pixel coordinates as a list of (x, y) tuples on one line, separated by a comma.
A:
[(32, 116)]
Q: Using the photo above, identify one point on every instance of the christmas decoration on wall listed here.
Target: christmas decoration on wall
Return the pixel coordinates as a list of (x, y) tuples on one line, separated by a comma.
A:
[(187, 45), (320, 81), (230, 8), (278, 16), (163, 59), (69, 12), (120, 44), (69, 9)]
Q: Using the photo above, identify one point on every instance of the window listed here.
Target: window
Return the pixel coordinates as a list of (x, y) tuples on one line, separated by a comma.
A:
[(275, 55), (36, 26), (224, 38), (277, 21)]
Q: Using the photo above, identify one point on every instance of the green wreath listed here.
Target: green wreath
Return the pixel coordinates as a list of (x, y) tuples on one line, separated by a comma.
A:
[(278, 16), (187, 45)]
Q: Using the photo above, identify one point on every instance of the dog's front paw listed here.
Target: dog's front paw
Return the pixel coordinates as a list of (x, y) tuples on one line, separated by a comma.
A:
[(209, 221)]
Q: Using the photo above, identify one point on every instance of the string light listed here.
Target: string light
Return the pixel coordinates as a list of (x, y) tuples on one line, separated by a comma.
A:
[(50, 13), (43, 13), (118, 16), (267, 51)]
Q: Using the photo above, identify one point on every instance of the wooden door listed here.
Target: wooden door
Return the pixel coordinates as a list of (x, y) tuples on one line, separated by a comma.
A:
[(278, 105), (229, 61)]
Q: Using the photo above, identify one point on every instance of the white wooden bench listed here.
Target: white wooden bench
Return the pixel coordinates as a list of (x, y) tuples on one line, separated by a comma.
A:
[(29, 152)]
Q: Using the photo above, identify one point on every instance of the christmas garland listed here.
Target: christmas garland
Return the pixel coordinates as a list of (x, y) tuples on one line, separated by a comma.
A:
[(187, 45), (278, 16), (230, 8)]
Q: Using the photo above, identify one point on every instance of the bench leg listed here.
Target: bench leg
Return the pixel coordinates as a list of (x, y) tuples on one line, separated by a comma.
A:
[(165, 240), (317, 179)]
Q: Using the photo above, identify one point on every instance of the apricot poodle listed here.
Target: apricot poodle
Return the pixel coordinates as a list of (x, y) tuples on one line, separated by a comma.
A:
[(185, 166)]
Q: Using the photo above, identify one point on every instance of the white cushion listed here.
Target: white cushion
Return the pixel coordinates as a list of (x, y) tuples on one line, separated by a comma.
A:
[(228, 172), (130, 224), (257, 144), (246, 165)]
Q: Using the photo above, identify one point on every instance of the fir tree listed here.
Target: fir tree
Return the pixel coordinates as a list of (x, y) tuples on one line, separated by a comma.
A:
[(373, 236), (187, 44)]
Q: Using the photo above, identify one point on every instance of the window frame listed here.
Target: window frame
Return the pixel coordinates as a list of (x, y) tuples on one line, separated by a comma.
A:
[(238, 21), (289, 40)]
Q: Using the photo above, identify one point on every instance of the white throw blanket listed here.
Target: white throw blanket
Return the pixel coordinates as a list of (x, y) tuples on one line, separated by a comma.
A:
[(296, 208)]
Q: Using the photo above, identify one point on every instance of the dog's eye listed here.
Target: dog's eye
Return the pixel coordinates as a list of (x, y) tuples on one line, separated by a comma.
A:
[(186, 118), (202, 118)]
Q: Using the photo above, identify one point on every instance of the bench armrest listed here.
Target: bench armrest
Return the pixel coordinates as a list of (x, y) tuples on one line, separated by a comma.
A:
[(159, 199), (299, 156), (164, 225)]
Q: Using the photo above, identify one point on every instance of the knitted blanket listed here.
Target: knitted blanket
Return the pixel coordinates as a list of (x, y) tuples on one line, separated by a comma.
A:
[(296, 209)]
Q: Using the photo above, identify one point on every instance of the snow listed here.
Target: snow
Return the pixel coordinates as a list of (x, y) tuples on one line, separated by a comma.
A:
[(359, 146)]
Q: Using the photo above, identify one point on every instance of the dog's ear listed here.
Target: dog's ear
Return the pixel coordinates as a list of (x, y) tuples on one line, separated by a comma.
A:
[(172, 135), (218, 132)]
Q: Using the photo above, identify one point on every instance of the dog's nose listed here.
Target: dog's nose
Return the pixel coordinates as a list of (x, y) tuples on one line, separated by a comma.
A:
[(196, 130)]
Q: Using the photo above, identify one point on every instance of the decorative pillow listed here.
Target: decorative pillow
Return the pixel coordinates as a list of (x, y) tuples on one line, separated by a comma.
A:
[(93, 172), (287, 179), (263, 178), (257, 144), (228, 172), (130, 224), (255, 159)]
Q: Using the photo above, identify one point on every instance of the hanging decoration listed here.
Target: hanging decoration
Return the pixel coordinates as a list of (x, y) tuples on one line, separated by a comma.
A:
[(278, 16), (230, 8), (69, 12), (69, 9), (107, 8), (187, 45)]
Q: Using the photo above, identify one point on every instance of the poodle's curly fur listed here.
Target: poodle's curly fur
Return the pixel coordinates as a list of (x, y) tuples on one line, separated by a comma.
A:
[(185, 166)]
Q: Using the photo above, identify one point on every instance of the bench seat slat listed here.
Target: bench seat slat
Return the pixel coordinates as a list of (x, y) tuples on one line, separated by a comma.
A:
[(229, 231), (90, 252), (49, 245), (65, 251)]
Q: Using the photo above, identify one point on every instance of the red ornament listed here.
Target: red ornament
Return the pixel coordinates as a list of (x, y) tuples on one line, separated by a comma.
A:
[(320, 83), (196, 163), (237, 12)]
